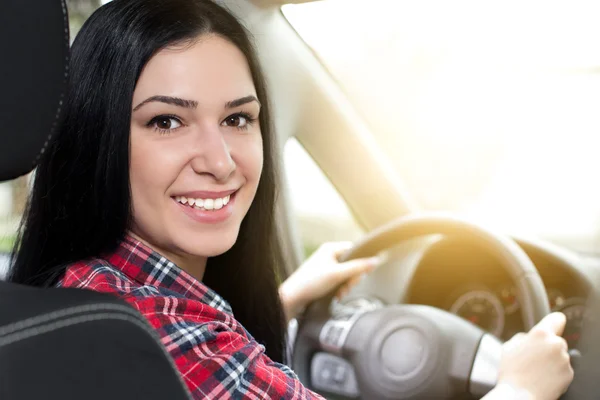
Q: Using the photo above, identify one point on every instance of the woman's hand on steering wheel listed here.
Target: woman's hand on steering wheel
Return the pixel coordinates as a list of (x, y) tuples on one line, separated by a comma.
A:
[(320, 274), (537, 362)]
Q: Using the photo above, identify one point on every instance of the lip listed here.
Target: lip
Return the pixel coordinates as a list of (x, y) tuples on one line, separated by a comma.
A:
[(203, 194), (204, 216)]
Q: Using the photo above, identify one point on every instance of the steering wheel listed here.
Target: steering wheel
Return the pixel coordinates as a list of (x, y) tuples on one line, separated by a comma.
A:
[(378, 351)]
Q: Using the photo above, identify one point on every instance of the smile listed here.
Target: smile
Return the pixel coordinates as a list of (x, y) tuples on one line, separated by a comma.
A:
[(204, 204)]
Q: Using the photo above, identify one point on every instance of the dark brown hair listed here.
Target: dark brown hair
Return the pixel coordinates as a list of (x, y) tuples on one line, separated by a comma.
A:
[(80, 205)]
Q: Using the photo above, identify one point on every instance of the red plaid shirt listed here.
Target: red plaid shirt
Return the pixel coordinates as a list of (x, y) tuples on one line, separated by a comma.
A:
[(215, 355)]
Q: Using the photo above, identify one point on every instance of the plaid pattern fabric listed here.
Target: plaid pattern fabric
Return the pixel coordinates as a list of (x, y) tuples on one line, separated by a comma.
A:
[(216, 356)]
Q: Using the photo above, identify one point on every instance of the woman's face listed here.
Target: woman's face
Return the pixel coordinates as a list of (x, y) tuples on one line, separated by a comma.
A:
[(196, 150)]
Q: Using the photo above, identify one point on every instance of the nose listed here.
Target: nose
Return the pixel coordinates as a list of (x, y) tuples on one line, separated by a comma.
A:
[(212, 155)]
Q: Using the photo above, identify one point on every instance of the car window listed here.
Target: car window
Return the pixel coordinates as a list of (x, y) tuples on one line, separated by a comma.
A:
[(320, 214), (13, 197), (6, 224), (489, 109)]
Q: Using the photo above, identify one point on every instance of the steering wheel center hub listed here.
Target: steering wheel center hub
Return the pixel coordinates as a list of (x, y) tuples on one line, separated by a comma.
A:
[(404, 352)]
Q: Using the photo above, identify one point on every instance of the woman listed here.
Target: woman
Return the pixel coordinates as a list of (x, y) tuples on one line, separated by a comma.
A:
[(159, 187)]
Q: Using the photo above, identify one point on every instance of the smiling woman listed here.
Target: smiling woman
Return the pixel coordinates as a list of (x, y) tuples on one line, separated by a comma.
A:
[(104, 214), (160, 186)]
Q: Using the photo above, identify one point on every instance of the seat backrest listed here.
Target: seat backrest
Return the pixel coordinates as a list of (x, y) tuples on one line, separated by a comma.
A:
[(78, 344), (61, 343)]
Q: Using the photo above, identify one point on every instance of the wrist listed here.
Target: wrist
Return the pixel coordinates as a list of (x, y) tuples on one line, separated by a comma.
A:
[(291, 302), (513, 392)]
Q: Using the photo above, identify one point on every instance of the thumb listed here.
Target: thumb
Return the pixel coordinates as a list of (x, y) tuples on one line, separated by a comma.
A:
[(553, 323), (352, 268)]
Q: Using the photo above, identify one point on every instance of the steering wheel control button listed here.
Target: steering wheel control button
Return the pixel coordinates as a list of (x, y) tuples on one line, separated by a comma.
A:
[(404, 352), (325, 374), (333, 374), (335, 331), (331, 337), (339, 375)]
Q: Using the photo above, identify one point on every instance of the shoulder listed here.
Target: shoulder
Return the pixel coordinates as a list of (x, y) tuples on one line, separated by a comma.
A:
[(163, 307), (99, 275)]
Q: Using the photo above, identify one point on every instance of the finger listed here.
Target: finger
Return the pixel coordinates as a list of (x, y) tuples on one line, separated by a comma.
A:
[(345, 288), (334, 246), (355, 281), (339, 249), (513, 342), (352, 268), (342, 292), (517, 337), (553, 323)]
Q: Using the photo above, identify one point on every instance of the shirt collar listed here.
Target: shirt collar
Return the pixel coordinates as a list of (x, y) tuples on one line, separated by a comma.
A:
[(147, 267)]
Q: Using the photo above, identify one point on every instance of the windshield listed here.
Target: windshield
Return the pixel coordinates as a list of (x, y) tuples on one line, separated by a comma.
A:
[(489, 109)]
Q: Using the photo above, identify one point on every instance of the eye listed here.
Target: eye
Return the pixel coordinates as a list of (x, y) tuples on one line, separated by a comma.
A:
[(165, 123), (239, 120)]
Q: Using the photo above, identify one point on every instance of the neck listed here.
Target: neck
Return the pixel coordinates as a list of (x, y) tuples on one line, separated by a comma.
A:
[(193, 265)]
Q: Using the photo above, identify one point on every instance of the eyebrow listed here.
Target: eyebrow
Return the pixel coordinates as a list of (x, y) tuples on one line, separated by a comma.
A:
[(176, 101), (192, 104), (241, 101)]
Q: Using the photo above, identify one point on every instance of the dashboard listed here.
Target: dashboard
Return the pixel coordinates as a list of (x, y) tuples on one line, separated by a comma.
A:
[(461, 278)]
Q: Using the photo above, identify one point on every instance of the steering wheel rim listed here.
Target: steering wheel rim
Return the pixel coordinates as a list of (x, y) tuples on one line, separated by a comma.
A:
[(438, 327), (531, 291)]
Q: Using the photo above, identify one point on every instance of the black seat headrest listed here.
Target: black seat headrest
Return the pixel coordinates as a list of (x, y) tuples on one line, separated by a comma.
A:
[(35, 48), (61, 343)]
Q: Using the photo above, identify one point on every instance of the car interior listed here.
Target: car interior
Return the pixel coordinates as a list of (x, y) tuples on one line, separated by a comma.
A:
[(424, 133)]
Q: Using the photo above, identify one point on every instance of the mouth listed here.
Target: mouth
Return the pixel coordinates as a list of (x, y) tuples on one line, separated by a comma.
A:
[(208, 203), (207, 207)]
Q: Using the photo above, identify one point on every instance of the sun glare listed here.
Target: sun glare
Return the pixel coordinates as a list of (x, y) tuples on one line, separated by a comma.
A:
[(485, 108)]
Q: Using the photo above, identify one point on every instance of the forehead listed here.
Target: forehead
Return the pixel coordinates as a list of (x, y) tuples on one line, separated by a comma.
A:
[(210, 70)]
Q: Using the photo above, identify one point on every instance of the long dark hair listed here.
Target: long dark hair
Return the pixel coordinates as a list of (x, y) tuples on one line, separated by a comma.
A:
[(80, 205)]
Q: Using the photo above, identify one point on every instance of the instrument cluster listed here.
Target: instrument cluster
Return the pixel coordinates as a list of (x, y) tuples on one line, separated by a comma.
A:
[(498, 310)]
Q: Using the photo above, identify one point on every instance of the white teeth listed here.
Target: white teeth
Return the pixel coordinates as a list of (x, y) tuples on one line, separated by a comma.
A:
[(206, 204)]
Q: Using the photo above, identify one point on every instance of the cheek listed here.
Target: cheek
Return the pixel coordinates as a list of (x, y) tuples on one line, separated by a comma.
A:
[(140, 169), (250, 159), (151, 172)]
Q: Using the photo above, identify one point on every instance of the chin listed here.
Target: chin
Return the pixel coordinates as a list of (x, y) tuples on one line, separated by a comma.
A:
[(207, 247)]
